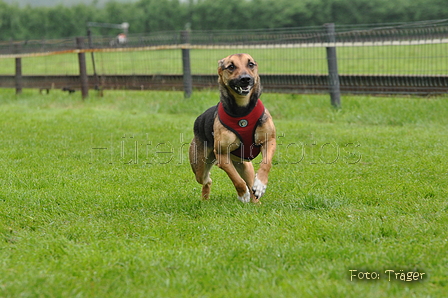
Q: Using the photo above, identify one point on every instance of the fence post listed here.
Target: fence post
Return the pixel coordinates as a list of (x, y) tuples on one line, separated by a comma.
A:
[(333, 75), (188, 81), (82, 68), (18, 78), (95, 75)]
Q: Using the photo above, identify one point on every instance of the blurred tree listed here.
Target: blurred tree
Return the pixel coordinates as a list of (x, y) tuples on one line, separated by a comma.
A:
[(7, 14), (160, 15), (229, 14)]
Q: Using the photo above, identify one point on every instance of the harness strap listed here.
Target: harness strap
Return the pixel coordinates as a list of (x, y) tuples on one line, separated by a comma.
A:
[(244, 127)]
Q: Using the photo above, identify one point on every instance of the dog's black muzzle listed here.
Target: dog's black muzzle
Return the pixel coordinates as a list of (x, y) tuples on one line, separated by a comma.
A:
[(243, 84)]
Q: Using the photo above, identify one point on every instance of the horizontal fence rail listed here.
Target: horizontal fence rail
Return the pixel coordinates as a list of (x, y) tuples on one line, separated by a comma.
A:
[(359, 84), (400, 58)]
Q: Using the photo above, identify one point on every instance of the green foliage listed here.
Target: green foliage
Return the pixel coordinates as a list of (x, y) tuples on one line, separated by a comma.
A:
[(160, 15), (82, 222)]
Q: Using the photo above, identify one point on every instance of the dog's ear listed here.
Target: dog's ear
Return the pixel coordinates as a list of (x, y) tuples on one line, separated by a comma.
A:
[(221, 64), (258, 89)]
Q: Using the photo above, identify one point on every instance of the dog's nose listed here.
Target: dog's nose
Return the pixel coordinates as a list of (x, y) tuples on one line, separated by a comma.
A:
[(245, 79)]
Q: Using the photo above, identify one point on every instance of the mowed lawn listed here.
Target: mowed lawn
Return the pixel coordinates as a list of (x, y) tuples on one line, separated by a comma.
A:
[(97, 199)]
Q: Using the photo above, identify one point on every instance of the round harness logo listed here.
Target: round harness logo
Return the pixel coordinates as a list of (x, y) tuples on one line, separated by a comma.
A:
[(243, 123)]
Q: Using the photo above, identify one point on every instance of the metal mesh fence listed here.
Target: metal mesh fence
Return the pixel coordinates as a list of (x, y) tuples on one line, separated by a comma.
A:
[(399, 49)]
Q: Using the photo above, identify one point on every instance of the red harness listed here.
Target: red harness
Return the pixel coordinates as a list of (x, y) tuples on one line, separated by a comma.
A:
[(244, 127)]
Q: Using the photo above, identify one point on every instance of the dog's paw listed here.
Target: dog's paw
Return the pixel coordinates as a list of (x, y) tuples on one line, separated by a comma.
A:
[(246, 197), (259, 188)]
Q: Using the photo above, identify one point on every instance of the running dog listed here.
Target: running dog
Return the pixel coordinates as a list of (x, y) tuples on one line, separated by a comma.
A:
[(235, 131)]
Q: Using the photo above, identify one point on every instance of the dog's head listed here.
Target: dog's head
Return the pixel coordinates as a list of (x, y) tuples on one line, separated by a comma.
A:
[(238, 73)]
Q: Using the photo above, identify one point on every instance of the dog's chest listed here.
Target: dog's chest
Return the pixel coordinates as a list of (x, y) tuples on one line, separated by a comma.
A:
[(244, 127)]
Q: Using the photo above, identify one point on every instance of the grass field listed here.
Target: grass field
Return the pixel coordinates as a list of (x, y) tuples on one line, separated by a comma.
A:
[(372, 60), (97, 199)]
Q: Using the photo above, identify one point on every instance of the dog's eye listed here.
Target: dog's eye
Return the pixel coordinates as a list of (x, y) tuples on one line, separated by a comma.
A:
[(251, 65), (231, 67)]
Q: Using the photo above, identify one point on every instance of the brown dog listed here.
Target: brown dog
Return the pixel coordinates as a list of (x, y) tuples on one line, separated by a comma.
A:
[(232, 133)]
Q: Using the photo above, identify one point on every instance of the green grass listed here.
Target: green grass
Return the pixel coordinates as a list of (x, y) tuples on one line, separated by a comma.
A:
[(398, 60), (361, 188)]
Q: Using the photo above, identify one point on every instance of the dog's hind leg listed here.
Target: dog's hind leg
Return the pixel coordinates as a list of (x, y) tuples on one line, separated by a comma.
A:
[(205, 179), (202, 160)]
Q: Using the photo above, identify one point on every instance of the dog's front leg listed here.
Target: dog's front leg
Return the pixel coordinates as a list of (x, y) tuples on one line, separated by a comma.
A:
[(246, 171), (225, 163), (225, 142), (268, 146)]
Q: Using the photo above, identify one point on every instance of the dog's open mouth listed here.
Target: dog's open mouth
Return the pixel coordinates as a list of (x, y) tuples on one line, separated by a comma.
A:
[(242, 85), (242, 90)]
